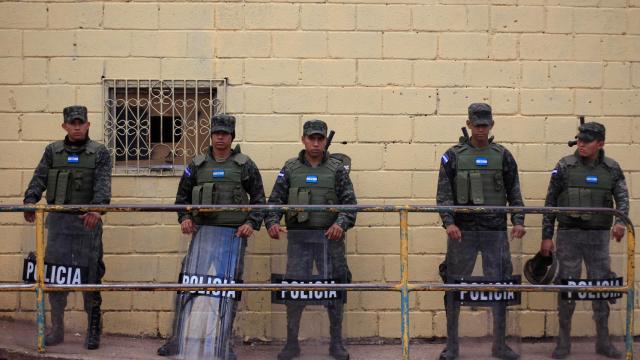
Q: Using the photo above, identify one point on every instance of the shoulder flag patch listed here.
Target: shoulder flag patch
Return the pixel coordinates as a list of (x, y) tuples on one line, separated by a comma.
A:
[(445, 158), (281, 174), (187, 171), (554, 172)]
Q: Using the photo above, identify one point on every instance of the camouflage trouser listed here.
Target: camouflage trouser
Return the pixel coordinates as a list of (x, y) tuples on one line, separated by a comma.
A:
[(304, 249), (572, 247), (460, 261), (69, 243)]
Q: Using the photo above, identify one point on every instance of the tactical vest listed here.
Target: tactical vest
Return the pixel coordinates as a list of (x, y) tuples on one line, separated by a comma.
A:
[(71, 176), (479, 175), (312, 186), (220, 184), (587, 187)]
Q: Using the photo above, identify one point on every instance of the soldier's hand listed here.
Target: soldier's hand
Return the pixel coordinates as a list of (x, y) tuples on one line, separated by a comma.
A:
[(454, 232), (244, 231), (518, 231), (335, 232), (547, 247), (30, 216), (188, 226), (275, 230), (618, 232), (90, 219)]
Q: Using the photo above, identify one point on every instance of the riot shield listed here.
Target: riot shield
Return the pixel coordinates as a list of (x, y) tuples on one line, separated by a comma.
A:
[(481, 323), (311, 259), (585, 323), (204, 319)]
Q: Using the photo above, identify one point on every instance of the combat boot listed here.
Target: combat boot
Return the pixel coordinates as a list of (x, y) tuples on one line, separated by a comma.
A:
[(448, 355), (92, 342), (336, 349), (503, 351), (56, 334), (604, 346), (169, 348), (291, 349), (563, 342)]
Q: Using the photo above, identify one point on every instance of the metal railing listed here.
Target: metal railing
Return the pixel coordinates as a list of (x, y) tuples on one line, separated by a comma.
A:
[(404, 287)]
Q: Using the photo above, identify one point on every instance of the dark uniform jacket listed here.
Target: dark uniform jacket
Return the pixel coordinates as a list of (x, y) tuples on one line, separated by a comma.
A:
[(102, 175), (344, 191), (559, 182), (251, 182), (446, 195)]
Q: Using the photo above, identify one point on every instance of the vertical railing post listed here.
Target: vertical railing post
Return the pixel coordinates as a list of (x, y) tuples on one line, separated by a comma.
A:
[(40, 276), (631, 250), (404, 282)]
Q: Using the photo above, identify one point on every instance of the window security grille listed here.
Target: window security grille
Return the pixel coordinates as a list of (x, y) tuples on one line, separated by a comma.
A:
[(155, 127)]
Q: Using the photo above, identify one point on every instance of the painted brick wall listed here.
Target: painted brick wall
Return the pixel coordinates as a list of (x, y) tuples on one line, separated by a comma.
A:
[(393, 79)]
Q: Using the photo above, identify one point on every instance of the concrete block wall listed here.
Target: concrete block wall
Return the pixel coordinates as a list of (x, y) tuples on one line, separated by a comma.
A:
[(393, 78)]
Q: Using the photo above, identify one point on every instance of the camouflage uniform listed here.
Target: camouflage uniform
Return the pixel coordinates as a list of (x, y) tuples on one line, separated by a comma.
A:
[(68, 241), (308, 246), (578, 239), (213, 247), (484, 233)]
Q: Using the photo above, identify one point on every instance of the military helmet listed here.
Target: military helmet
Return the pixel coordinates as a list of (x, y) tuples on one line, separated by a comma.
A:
[(541, 269)]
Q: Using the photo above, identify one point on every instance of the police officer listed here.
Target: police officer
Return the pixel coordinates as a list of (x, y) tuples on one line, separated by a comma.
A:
[(76, 170), (587, 178), (478, 171), (222, 176), (314, 178)]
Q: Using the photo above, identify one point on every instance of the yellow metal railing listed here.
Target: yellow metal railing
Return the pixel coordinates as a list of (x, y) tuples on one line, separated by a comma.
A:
[(404, 287)]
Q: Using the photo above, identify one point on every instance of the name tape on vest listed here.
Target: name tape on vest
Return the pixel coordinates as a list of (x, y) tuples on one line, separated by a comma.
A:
[(485, 297), (482, 161), (572, 295), (311, 179), (73, 159), (196, 279), (55, 274), (306, 296), (218, 173)]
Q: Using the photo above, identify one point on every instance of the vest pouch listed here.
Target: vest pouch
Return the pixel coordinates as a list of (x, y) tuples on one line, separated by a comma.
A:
[(498, 181), (477, 192), (585, 201), (304, 198), (63, 188), (208, 198), (573, 200), (196, 195), (462, 187), (239, 197), (52, 181)]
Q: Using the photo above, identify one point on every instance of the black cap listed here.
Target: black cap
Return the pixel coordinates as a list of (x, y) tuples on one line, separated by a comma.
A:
[(315, 126), (591, 131), (226, 123), (75, 112), (480, 113)]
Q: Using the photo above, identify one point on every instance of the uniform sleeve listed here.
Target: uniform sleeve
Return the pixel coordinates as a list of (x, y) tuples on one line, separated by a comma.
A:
[(279, 196), (346, 196), (102, 183), (556, 184), (252, 184), (512, 186), (185, 188), (444, 194), (38, 183), (620, 193)]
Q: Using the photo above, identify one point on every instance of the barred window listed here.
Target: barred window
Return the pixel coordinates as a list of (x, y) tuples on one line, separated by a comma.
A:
[(155, 127)]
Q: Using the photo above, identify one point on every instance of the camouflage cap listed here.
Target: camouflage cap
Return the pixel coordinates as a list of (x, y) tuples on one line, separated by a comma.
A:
[(75, 112), (226, 123), (590, 131), (315, 126), (480, 113)]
